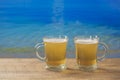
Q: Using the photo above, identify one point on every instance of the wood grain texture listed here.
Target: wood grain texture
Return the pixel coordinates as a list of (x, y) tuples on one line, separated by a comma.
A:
[(33, 69)]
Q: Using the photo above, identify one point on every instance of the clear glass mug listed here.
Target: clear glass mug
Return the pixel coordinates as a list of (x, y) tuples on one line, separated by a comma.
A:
[(55, 52), (86, 52)]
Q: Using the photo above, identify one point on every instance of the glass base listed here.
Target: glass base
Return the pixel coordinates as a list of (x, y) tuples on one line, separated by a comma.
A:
[(88, 68), (56, 68)]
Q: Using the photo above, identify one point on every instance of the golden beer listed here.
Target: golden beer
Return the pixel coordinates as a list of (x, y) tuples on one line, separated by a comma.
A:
[(86, 51), (55, 51)]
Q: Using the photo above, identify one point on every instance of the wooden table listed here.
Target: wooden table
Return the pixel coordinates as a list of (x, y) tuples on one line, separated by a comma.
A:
[(33, 69)]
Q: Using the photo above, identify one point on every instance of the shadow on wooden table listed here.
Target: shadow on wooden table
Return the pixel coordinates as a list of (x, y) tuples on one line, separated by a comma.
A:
[(108, 70), (99, 70), (99, 74)]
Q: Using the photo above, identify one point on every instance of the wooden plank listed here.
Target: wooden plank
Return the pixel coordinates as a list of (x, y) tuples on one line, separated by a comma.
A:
[(33, 69)]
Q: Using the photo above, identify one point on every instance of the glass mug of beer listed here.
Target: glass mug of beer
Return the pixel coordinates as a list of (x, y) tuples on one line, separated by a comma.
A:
[(86, 52), (55, 52)]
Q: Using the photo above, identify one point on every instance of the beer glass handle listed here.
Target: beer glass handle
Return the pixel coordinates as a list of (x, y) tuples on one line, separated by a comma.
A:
[(37, 46), (101, 58)]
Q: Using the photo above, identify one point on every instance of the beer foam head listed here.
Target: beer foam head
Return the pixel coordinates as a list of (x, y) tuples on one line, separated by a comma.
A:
[(55, 40), (86, 41)]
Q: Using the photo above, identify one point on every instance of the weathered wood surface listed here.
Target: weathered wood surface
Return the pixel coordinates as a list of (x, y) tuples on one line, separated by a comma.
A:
[(33, 69)]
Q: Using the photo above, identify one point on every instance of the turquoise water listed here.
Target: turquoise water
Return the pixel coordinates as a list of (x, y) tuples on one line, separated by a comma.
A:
[(18, 40), (23, 23)]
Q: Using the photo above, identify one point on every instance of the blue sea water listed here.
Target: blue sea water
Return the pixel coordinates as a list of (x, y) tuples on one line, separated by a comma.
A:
[(24, 23), (19, 39)]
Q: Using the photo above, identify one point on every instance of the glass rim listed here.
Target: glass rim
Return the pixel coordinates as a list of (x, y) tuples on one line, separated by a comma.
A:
[(55, 36), (90, 37)]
